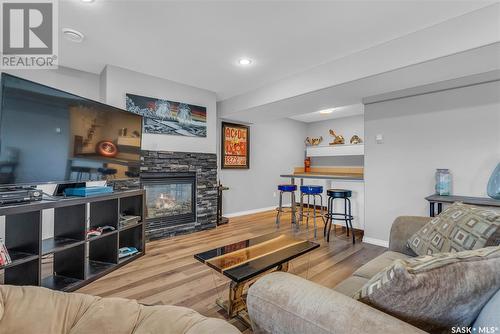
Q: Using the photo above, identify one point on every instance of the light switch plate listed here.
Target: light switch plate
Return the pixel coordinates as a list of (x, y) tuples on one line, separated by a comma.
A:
[(379, 139)]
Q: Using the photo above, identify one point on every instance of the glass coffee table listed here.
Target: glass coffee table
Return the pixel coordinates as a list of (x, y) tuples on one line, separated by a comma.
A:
[(244, 261)]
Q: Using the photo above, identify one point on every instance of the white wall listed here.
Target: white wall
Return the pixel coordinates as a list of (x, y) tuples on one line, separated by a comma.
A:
[(457, 129), (275, 148), (119, 81), (346, 126)]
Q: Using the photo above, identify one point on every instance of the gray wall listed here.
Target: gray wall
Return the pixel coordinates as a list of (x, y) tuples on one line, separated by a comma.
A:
[(457, 129), (275, 148), (346, 126)]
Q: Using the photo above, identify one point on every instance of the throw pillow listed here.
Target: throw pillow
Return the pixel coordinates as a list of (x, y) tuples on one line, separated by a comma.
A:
[(436, 292), (460, 227)]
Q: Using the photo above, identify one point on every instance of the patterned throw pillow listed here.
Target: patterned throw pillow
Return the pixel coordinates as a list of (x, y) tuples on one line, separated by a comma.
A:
[(436, 292), (460, 227)]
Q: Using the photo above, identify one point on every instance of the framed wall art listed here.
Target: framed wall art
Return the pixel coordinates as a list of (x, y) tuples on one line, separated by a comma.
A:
[(169, 117), (235, 146)]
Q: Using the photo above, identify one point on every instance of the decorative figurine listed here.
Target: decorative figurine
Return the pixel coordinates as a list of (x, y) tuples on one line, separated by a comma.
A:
[(338, 139), (356, 140), (313, 141)]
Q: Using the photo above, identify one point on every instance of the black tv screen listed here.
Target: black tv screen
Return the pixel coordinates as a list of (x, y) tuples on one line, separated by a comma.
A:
[(51, 136)]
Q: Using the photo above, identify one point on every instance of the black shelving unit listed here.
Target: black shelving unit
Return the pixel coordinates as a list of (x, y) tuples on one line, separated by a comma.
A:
[(70, 260)]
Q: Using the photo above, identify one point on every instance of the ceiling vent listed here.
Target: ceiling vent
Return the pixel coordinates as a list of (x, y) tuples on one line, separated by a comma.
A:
[(73, 35)]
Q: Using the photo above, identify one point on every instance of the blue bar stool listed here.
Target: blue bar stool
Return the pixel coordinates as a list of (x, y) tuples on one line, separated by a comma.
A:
[(314, 191), (286, 188), (345, 216)]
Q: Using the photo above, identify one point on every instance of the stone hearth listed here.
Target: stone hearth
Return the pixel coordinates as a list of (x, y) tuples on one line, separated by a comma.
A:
[(205, 167)]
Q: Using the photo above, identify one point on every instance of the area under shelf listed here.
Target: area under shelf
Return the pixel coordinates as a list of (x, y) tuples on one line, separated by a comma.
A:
[(19, 258), (94, 268), (335, 150), (52, 245), (58, 282), (129, 258)]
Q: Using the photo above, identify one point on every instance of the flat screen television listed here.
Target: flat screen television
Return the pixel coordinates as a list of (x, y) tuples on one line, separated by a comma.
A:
[(51, 136)]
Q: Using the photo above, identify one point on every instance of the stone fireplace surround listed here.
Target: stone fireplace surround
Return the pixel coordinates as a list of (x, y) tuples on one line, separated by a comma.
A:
[(205, 167)]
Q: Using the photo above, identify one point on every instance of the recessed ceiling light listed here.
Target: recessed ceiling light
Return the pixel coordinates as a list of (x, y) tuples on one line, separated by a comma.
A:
[(73, 35), (245, 61), (88, 1), (326, 111)]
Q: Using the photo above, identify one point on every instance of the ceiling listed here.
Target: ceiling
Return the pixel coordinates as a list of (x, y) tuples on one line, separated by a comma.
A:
[(337, 112), (199, 42), (304, 107)]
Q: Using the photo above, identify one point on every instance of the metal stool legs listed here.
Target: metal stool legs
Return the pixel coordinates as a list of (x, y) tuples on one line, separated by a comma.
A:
[(328, 218), (314, 213), (346, 216), (294, 218), (280, 210), (292, 209)]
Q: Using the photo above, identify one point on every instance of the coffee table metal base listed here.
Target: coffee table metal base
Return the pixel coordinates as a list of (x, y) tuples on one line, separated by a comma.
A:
[(235, 305)]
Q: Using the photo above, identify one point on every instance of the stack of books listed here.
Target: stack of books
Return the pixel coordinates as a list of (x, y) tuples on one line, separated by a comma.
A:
[(4, 254)]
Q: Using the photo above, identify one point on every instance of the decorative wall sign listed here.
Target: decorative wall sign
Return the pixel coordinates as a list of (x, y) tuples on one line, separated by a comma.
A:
[(168, 117), (235, 146)]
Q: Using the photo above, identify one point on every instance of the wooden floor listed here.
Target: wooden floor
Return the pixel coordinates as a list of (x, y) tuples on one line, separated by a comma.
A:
[(168, 273)]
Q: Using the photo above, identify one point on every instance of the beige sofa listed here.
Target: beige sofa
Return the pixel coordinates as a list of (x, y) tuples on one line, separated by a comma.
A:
[(285, 303), (31, 310)]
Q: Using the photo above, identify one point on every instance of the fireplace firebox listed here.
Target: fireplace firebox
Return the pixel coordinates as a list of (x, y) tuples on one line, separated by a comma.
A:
[(170, 197)]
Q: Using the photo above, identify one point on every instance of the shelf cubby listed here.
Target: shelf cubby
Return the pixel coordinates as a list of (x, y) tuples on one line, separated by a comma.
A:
[(25, 273), (132, 237), (70, 262), (23, 233), (64, 269), (104, 213), (69, 222), (132, 205), (58, 244), (104, 249)]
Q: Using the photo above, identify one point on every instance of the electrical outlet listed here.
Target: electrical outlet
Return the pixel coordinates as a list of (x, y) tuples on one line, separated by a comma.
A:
[(379, 139)]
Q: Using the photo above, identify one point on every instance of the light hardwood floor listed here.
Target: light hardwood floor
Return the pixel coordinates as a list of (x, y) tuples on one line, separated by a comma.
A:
[(168, 273)]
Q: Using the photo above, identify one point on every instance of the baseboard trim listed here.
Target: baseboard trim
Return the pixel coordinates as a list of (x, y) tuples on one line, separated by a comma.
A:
[(249, 212), (376, 242)]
